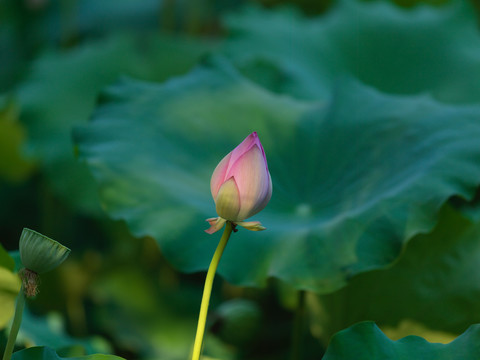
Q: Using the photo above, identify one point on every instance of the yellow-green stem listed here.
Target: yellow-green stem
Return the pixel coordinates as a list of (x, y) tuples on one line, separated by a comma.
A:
[(207, 290), (17, 320)]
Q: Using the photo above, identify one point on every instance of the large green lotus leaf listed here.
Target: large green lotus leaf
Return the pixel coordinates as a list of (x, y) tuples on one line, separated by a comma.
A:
[(435, 276), (61, 91), (45, 353), (354, 177), (403, 51), (470, 209), (365, 341), (117, 15)]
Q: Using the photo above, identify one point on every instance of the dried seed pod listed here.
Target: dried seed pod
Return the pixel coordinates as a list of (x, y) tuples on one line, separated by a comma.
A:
[(39, 253)]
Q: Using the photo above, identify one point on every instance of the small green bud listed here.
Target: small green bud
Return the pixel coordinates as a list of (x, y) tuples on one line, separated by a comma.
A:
[(40, 253)]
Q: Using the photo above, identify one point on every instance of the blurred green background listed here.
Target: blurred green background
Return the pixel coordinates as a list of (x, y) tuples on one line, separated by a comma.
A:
[(113, 115)]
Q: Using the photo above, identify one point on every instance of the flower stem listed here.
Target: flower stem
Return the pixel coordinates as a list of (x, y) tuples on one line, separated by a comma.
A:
[(17, 320), (298, 327), (207, 290)]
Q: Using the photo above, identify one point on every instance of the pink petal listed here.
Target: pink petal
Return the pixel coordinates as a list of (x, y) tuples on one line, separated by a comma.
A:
[(261, 205), (212, 221), (219, 175), (252, 179), (242, 148)]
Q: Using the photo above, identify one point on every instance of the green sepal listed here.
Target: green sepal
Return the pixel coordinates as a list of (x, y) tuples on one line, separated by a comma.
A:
[(251, 225)]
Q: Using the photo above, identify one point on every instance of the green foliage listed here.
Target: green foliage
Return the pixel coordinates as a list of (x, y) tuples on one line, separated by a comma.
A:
[(6, 261), (395, 50), (345, 201), (9, 287), (435, 276), (237, 321), (50, 331), (369, 118), (365, 341), (161, 322), (61, 91), (45, 353), (13, 166)]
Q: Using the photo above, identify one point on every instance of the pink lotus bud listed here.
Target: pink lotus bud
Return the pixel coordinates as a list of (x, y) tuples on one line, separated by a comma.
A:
[(241, 184)]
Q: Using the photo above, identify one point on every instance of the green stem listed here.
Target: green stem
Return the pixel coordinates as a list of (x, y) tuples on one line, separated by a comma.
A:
[(207, 290), (298, 327), (17, 320)]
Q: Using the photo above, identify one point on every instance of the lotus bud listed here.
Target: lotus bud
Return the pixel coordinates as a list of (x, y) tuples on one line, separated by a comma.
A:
[(40, 253), (241, 185)]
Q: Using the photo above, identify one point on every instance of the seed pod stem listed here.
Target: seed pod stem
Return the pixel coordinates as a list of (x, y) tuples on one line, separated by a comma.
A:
[(17, 320)]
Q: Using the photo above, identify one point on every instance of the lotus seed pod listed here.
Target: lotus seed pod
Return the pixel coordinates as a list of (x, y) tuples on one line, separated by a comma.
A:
[(40, 253)]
